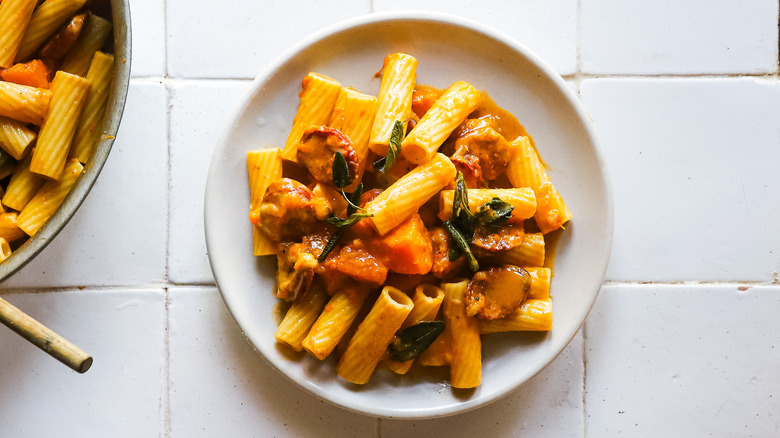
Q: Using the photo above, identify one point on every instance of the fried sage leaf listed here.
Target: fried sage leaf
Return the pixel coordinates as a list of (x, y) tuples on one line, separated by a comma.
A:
[(413, 340), (340, 171), (393, 150)]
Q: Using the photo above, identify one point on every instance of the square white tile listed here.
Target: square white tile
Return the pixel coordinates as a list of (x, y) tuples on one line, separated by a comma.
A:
[(118, 235), (549, 405), (547, 28), (120, 396), (148, 31), (237, 39), (680, 37), (681, 360), (220, 386), (693, 164), (199, 112)]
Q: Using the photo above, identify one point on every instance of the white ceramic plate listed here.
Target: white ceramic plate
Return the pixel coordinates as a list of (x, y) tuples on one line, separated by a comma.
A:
[(448, 49)]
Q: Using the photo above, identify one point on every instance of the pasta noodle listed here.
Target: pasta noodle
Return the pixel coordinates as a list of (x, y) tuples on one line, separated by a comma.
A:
[(395, 99), (69, 94), (23, 186), (449, 111), (405, 196), (264, 167), (100, 74), (15, 137), (427, 300), (48, 199), (14, 18), (368, 345), (522, 200), (23, 103), (317, 99), (46, 20), (526, 170), (91, 39)]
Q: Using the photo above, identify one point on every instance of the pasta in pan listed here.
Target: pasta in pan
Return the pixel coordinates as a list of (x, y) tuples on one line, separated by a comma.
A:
[(431, 208), (54, 89)]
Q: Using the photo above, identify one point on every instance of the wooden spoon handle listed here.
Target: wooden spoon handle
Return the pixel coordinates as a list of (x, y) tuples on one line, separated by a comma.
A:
[(40, 335)]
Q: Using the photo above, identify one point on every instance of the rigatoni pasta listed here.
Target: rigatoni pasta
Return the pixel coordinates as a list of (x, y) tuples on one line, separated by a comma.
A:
[(399, 75), (318, 95), (81, 56), (100, 75), (69, 95), (15, 16), (54, 89), (46, 19), (437, 231)]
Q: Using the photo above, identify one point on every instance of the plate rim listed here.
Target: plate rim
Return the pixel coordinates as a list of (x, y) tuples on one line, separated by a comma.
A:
[(449, 19)]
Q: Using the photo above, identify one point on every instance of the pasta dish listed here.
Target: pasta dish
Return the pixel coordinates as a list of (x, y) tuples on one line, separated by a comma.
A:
[(405, 225)]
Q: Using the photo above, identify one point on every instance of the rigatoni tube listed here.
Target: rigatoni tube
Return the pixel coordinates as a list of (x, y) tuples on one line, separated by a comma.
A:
[(15, 16), (91, 39), (317, 97), (449, 111), (405, 196), (369, 344), (264, 167), (532, 315), (399, 76), (15, 137), (48, 199), (523, 200), (525, 169), (301, 316), (69, 94), (46, 19), (100, 74), (466, 346), (427, 300), (23, 103)]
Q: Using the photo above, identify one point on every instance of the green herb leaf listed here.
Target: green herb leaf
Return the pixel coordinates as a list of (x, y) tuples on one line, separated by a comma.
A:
[(413, 340), (340, 171), (494, 214), (354, 200), (332, 242), (463, 244), (343, 223), (393, 149)]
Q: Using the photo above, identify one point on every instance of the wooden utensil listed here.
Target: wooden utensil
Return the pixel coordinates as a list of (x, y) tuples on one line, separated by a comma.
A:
[(40, 335)]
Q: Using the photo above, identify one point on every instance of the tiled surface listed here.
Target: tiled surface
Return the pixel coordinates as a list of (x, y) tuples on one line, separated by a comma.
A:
[(548, 28), (683, 37), (199, 111), (219, 383), (657, 365), (203, 38), (120, 396), (693, 166), (692, 162)]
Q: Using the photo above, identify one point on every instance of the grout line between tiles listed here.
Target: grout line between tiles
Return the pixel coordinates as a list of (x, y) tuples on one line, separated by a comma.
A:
[(165, 405), (165, 287)]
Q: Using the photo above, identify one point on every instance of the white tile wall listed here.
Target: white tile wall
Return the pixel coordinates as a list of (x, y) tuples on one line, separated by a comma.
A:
[(120, 396), (693, 167), (548, 28), (202, 39), (199, 111), (681, 37), (148, 30), (659, 365), (693, 163), (220, 384)]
